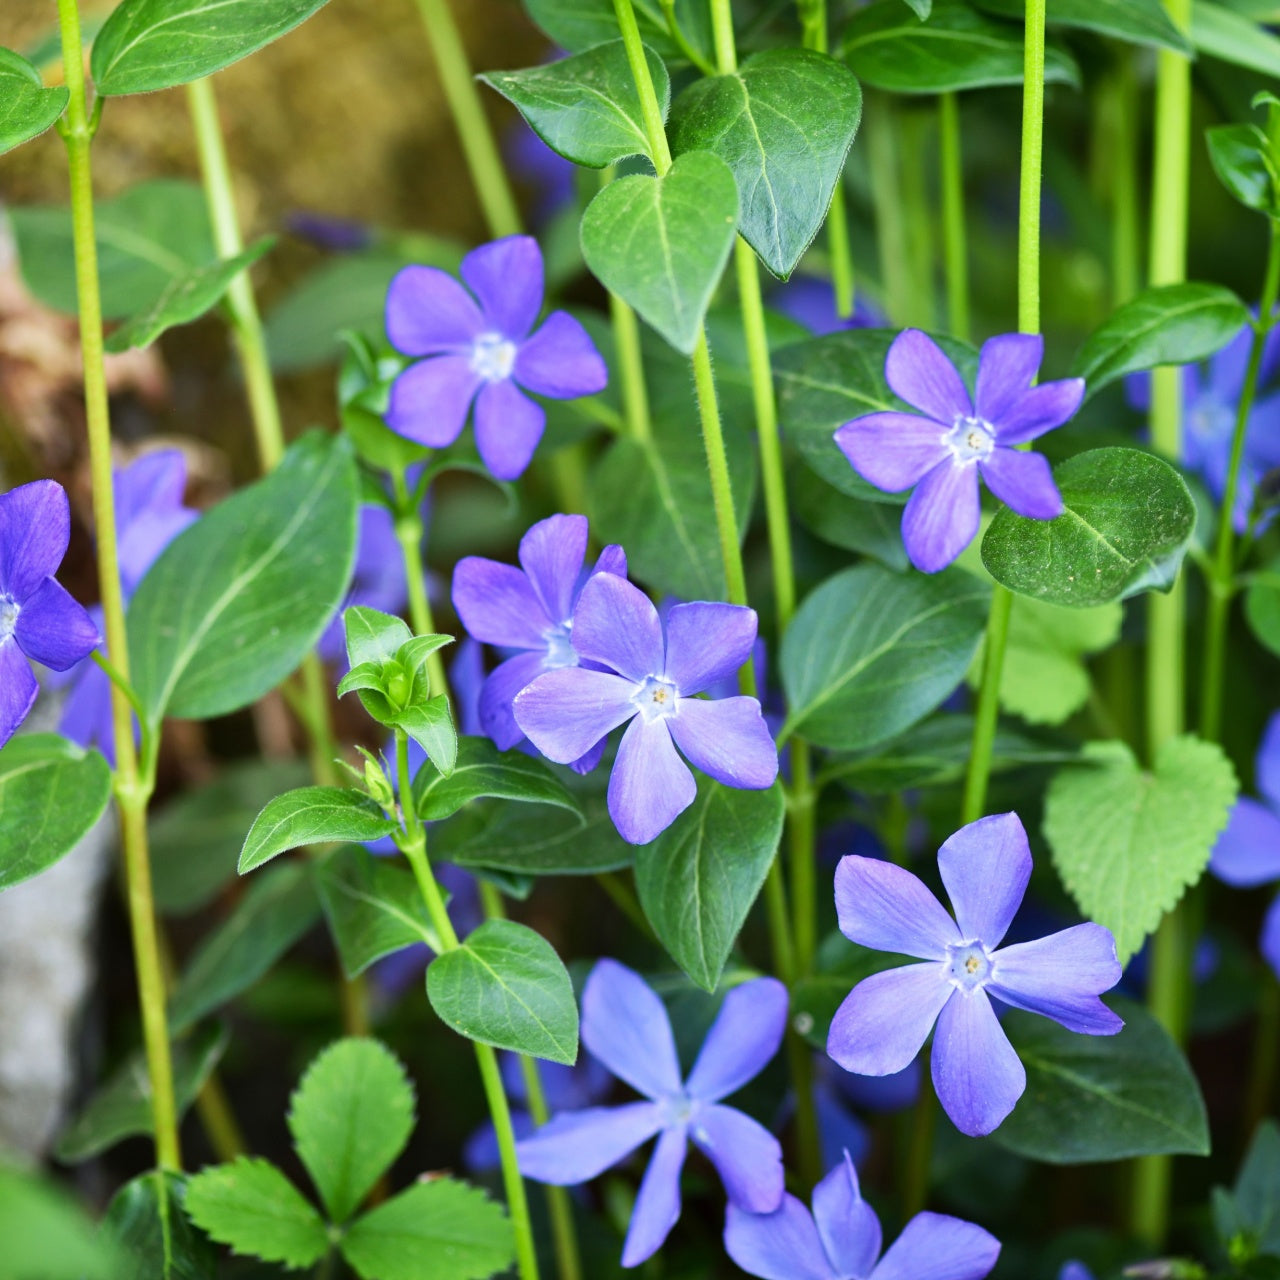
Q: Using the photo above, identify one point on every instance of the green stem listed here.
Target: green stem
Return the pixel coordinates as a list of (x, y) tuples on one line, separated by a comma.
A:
[(1124, 192), (682, 41), (881, 130), (479, 147), (987, 712), (133, 789), (917, 218), (955, 236), (409, 534)]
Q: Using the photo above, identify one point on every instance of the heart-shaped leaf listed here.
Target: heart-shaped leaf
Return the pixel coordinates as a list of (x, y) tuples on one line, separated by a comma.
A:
[(27, 108)]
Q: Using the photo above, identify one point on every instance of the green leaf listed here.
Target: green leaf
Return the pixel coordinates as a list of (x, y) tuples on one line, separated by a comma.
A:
[(698, 880), (1261, 607), (482, 771), (279, 907), (27, 108), (1093, 1098), (1128, 843), (1168, 324), (155, 44), (505, 986), (146, 1220), (1128, 522), (586, 107), (1240, 154), (47, 1234), (51, 794), (430, 725), (660, 244), (237, 600), (373, 636), (147, 236), (956, 49), (576, 25), (373, 906), (350, 1117), (186, 298), (252, 1207), (121, 1108), (436, 1230), (312, 815), (1219, 32), (870, 652), (1138, 21), (871, 528), (783, 123), (1254, 1202)]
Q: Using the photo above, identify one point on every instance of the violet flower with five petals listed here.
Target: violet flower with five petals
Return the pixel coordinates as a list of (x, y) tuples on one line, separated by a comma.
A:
[(944, 446), (479, 347), (651, 681), (625, 1026), (885, 1020), (841, 1240)]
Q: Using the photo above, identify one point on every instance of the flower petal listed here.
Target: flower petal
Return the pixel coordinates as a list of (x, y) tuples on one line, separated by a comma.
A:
[(156, 481), (941, 517), (743, 1039), (497, 719), (54, 629), (87, 715), (1269, 939), (934, 1246), (576, 1146), (625, 1026), (498, 605), (506, 276), (1248, 851), (145, 537), (919, 372), (430, 400), (986, 866), (615, 624), (892, 451), (1267, 763), (707, 643), (657, 1207), (18, 689), (848, 1225), (509, 427), (884, 1021), (1007, 367), (885, 907), (650, 786), (727, 739), (1023, 482), (1061, 977), (746, 1155), (613, 559), (560, 361), (976, 1072), (35, 527), (551, 554), (777, 1246), (1042, 408), (428, 312), (564, 713)]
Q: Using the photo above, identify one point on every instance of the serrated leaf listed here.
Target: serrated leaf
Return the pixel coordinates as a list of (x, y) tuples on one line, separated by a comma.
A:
[(312, 815), (27, 108), (1139, 21), (484, 772), (350, 1117), (146, 1221), (505, 986), (1219, 32), (252, 1207), (1128, 843)]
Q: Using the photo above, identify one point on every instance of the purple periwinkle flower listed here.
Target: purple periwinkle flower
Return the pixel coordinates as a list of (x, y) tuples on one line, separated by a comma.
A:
[(652, 681), (625, 1026), (1248, 851), (942, 448), (529, 611), (840, 1240), (38, 618), (885, 1019), (478, 346)]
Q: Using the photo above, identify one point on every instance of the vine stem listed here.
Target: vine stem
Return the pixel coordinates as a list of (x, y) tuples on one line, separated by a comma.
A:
[(955, 235), (883, 145), (132, 787)]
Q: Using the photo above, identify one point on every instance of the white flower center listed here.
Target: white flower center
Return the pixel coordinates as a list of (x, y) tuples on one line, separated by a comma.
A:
[(560, 651), (968, 965), (970, 440), (655, 699), (8, 617), (493, 357)]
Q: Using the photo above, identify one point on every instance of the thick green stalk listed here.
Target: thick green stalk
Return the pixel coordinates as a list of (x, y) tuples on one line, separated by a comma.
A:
[(955, 235), (883, 145), (133, 787), (916, 214), (1124, 191)]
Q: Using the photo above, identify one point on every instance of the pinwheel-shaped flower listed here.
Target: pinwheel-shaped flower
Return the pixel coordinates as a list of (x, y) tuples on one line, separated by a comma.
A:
[(885, 1019), (480, 348), (943, 448), (625, 1026), (840, 1240)]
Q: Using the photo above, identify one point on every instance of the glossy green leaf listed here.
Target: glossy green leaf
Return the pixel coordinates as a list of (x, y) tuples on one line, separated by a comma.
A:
[(27, 108), (1240, 154), (1094, 1098), (1261, 607), (660, 244), (1219, 32), (872, 529), (505, 986), (251, 1206), (957, 48), (482, 771), (373, 636), (147, 1222), (1138, 21), (47, 1234), (186, 298), (350, 1117), (51, 794), (436, 1230), (698, 880), (783, 123), (1128, 843), (121, 1107), (586, 107), (278, 908), (581, 24), (430, 725), (155, 44), (870, 652), (236, 601), (1168, 324), (312, 815), (1128, 522)]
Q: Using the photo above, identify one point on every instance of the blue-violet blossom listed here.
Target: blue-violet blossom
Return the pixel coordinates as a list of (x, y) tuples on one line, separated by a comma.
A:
[(625, 1026), (885, 1019), (478, 347), (942, 448)]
